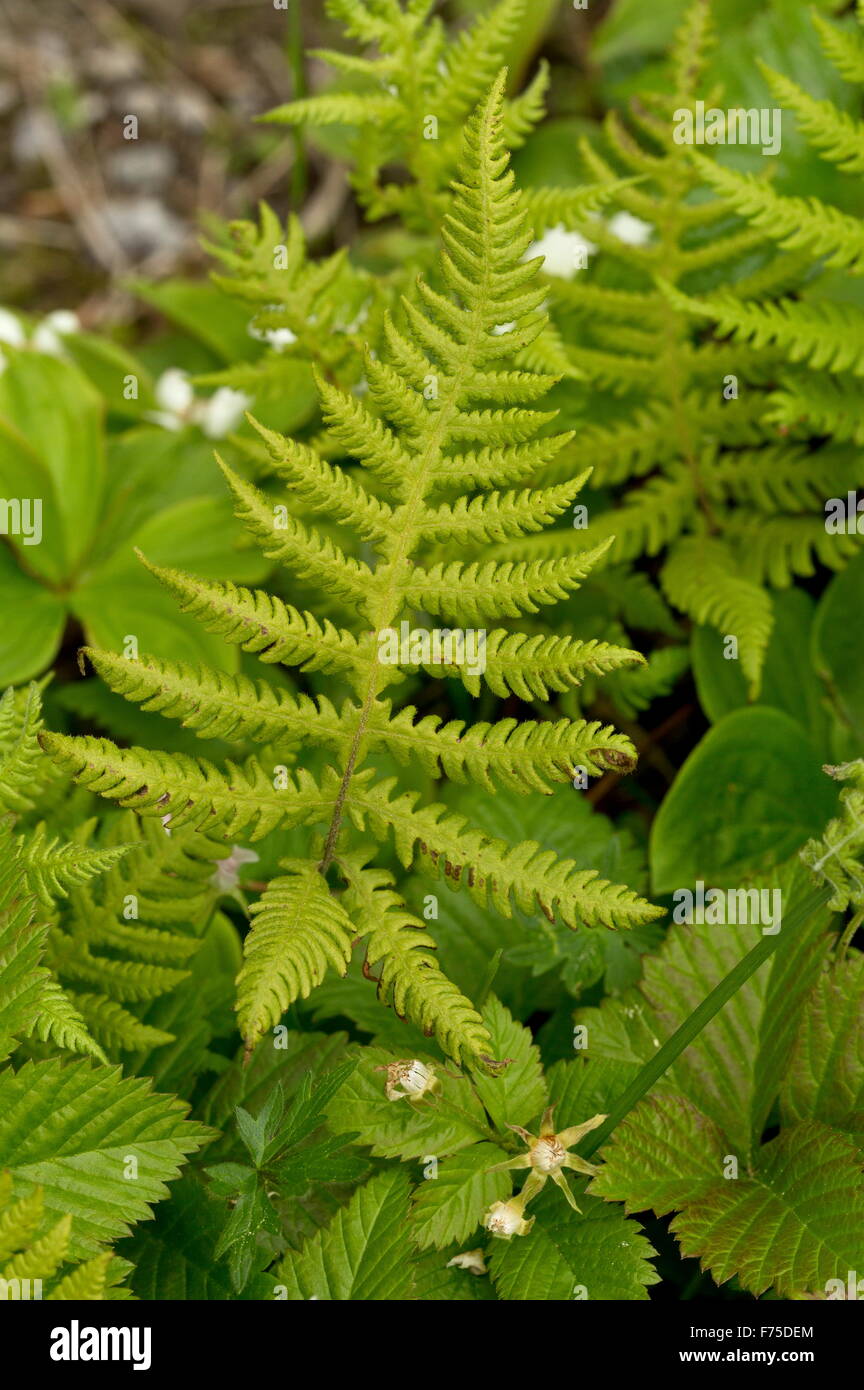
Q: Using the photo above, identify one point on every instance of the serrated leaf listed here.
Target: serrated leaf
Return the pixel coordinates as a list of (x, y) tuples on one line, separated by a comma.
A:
[(450, 1205), (600, 1254), (364, 1255), (518, 1093), (73, 1129)]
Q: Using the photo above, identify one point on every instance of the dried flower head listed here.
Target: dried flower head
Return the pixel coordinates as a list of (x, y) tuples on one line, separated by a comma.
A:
[(547, 1156), (411, 1080), (507, 1219)]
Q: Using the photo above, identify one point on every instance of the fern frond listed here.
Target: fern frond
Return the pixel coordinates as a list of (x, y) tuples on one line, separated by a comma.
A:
[(493, 589), (335, 108), (88, 1283), (844, 48), (187, 791), (61, 1021), (261, 623), (448, 404), (522, 756), (780, 478), (53, 867), (220, 705), (411, 981), (820, 404), (22, 768), (493, 872), (532, 666), (796, 223), (507, 464), (476, 58), (299, 930), (496, 516), (117, 1029), (825, 334), (126, 981), (703, 579), (836, 135), (313, 555), (774, 549), (325, 488)]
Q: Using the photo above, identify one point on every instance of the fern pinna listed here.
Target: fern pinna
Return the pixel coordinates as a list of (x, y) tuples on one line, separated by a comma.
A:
[(445, 421)]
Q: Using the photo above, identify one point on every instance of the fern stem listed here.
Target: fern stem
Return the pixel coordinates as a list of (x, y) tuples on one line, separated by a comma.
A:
[(391, 577), (700, 1017)]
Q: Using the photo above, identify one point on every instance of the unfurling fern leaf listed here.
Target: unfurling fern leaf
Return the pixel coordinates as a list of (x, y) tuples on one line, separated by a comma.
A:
[(447, 422)]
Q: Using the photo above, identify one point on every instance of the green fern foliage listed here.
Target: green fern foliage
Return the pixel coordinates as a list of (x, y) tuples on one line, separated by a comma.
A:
[(34, 1266), (681, 412), (121, 906), (444, 440)]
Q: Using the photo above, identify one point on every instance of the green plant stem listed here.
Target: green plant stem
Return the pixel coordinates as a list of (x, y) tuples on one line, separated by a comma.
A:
[(692, 1027)]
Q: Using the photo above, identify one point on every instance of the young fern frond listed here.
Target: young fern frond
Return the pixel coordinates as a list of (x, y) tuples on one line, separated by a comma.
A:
[(446, 408), (420, 91)]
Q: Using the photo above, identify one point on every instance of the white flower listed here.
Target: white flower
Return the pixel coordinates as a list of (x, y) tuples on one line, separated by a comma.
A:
[(174, 392), (507, 1219), (217, 415), (471, 1260), (630, 229), (564, 252), (49, 334), (224, 877), (279, 338), (409, 1080), (11, 329), (46, 337), (223, 412)]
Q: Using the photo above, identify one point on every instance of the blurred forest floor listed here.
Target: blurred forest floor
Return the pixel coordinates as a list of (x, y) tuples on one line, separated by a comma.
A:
[(83, 210)]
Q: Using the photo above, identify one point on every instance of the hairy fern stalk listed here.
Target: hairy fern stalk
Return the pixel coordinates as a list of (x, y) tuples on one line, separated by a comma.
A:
[(447, 440)]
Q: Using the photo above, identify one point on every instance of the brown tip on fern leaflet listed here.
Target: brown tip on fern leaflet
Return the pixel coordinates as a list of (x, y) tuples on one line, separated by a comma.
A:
[(614, 758), (367, 972)]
